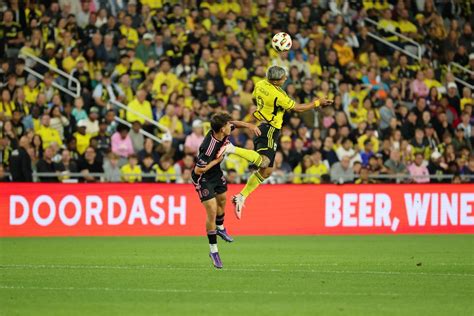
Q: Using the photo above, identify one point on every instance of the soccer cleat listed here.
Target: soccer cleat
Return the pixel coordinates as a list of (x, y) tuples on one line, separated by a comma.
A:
[(226, 149), (224, 235), (216, 260), (238, 201)]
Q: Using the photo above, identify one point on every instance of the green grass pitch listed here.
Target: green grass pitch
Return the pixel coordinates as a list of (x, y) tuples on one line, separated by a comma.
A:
[(319, 275)]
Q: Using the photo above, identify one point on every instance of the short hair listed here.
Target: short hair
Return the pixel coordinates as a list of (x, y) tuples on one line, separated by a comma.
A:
[(275, 73), (219, 120)]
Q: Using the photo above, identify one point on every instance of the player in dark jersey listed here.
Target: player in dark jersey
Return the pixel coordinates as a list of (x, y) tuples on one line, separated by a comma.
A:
[(209, 180)]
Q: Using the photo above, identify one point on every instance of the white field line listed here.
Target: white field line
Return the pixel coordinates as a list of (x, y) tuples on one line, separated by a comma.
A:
[(143, 267), (148, 290)]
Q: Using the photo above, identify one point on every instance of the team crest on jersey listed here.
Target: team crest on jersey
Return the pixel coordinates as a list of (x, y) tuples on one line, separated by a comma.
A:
[(205, 192)]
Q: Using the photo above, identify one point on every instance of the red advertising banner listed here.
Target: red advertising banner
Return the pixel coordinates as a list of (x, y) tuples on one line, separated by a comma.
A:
[(40, 209)]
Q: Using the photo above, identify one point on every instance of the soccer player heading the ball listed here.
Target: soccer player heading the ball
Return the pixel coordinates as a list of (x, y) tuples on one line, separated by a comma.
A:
[(209, 180), (272, 102)]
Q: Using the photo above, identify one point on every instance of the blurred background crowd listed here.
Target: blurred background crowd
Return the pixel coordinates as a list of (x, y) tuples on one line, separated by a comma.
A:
[(394, 119)]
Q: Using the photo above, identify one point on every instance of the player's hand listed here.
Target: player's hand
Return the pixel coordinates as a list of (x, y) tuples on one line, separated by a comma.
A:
[(325, 102), (255, 130)]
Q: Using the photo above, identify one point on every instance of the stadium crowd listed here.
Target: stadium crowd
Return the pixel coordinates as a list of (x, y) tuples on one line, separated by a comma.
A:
[(178, 62)]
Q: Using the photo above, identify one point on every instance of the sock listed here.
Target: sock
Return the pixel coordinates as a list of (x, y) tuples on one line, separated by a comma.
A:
[(212, 237), (252, 183), (220, 221), (250, 155)]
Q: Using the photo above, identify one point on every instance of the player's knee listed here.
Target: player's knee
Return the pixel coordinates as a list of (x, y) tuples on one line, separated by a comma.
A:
[(266, 172), (265, 162)]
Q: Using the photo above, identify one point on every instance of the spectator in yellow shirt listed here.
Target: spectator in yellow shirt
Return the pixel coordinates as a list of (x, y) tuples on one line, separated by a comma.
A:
[(311, 172), (129, 32), (31, 90), (140, 105), (131, 172), (172, 122), (82, 138), (466, 98), (230, 80), (165, 76), (369, 135), (48, 134), (165, 171)]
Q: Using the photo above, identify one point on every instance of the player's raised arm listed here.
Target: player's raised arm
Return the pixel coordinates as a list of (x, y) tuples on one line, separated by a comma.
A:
[(252, 127), (317, 103)]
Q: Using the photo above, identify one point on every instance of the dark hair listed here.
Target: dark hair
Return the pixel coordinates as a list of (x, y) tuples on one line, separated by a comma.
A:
[(219, 120)]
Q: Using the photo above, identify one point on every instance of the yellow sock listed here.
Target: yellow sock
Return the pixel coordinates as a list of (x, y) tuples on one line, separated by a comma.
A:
[(250, 155), (252, 183)]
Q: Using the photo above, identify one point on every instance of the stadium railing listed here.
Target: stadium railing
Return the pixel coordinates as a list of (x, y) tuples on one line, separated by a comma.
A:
[(74, 92), (453, 66), (398, 178), (416, 56), (161, 127)]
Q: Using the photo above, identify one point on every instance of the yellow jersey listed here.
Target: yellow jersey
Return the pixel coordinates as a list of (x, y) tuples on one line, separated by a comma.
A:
[(131, 174), (272, 102)]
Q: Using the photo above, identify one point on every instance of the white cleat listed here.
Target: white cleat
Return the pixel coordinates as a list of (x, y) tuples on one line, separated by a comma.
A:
[(238, 201), (227, 148)]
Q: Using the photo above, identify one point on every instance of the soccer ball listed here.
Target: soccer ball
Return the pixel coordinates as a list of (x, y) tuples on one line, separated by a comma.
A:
[(281, 42)]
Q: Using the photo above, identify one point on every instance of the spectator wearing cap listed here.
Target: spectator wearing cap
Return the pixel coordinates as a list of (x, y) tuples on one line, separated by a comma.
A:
[(106, 91), (47, 133), (453, 98), (418, 170), (459, 140), (141, 106), (122, 143), (194, 140), (146, 49), (103, 139), (82, 137), (92, 121), (437, 167)]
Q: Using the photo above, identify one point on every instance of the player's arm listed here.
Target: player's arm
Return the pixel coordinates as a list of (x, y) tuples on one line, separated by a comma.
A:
[(315, 104), (252, 127), (199, 169)]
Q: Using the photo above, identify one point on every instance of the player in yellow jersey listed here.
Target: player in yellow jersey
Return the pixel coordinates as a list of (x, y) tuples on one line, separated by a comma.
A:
[(272, 103)]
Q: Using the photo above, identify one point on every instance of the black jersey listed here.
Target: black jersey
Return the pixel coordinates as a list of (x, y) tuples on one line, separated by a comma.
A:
[(208, 152)]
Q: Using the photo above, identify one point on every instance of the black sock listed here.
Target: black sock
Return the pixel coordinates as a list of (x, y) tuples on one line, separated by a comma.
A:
[(211, 235), (220, 219)]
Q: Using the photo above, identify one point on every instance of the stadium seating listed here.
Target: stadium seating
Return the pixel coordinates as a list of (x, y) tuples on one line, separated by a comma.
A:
[(403, 106)]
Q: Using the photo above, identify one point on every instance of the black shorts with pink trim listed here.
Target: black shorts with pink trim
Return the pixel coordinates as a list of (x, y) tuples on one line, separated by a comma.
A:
[(208, 187)]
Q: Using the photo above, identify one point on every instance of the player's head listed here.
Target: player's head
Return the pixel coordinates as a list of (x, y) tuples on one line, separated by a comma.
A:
[(220, 122), (276, 75)]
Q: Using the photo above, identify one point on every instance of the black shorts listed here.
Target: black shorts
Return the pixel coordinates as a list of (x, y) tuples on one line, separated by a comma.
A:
[(209, 187), (266, 143)]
